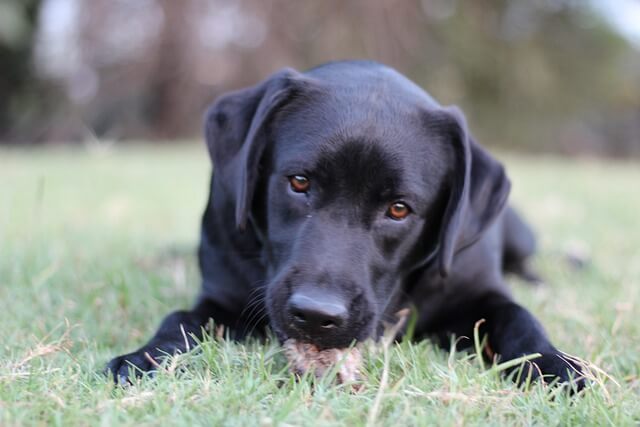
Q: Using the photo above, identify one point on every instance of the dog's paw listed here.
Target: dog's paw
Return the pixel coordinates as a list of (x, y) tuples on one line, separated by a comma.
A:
[(124, 369), (554, 368)]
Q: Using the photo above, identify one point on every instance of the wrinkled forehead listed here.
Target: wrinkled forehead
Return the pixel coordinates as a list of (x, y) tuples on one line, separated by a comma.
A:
[(359, 136)]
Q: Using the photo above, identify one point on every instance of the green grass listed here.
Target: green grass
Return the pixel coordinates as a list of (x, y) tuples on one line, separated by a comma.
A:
[(96, 246)]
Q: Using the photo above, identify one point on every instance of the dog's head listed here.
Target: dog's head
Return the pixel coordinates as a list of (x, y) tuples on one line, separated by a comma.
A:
[(353, 178)]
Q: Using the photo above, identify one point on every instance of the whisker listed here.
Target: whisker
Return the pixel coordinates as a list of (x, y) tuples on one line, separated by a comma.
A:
[(258, 321), (256, 311), (251, 303), (256, 292), (255, 305)]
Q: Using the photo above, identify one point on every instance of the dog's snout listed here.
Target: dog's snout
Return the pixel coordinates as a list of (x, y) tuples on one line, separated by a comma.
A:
[(315, 312)]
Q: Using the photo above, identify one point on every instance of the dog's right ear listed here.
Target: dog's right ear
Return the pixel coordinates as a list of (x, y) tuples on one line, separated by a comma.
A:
[(235, 134)]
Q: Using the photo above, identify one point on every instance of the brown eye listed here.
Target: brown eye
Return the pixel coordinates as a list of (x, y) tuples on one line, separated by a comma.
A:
[(398, 211), (299, 183)]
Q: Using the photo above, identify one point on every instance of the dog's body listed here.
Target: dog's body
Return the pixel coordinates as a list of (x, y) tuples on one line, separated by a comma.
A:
[(341, 195)]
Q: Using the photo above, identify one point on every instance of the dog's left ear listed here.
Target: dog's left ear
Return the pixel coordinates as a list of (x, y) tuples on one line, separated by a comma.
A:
[(235, 130), (478, 193)]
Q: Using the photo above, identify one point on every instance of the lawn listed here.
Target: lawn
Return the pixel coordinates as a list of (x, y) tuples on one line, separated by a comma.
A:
[(97, 245)]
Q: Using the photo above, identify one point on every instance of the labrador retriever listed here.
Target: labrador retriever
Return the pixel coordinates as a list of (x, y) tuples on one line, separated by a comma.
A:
[(341, 195)]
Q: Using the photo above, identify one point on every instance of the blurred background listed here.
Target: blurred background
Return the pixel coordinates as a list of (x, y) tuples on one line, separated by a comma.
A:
[(559, 76)]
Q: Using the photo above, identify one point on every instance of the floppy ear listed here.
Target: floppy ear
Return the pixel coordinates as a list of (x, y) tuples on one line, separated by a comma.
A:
[(479, 192), (236, 138)]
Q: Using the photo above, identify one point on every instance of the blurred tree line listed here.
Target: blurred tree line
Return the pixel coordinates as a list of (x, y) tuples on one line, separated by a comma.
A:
[(538, 75)]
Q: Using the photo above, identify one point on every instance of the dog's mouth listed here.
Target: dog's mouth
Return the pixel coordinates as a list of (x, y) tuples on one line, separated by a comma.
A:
[(321, 342), (311, 309), (308, 358), (326, 337)]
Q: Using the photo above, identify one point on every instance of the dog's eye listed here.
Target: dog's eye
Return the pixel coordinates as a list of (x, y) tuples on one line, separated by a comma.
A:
[(398, 211), (299, 183)]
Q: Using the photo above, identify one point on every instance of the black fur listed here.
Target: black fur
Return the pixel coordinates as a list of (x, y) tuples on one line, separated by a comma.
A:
[(366, 137)]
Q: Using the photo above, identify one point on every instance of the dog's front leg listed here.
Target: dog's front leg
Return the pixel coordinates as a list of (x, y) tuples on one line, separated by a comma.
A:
[(514, 332), (175, 335)]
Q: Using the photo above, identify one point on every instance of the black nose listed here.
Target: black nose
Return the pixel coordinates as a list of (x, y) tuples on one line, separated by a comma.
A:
[(316, 312)]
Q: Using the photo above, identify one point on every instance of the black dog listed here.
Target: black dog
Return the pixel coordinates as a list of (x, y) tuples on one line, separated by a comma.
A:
[(341, 195)]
